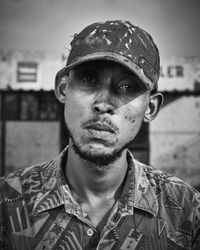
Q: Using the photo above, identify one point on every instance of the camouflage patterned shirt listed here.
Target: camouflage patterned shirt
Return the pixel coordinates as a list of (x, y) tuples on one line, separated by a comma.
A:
[(155, 211)]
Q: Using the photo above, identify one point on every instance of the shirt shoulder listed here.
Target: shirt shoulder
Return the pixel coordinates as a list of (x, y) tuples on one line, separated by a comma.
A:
[(179, 201), (164, 182), (168, 182), (178, 204), (22, 184)]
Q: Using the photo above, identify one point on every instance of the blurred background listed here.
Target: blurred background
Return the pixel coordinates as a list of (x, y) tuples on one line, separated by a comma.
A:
[(35, 40)]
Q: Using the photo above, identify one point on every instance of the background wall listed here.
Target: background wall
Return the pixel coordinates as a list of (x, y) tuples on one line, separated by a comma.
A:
[(31, 143), (50, 24), (38, 26), (175, 139), (46, 63)]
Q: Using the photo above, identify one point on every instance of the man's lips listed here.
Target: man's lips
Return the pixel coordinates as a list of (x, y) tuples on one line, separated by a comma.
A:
[(100, 127)]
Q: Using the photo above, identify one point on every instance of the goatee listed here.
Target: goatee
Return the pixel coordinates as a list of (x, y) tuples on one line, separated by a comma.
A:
[(101, 159)]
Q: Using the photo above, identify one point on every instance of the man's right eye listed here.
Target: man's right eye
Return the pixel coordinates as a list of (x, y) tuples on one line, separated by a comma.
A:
[(88, 77)]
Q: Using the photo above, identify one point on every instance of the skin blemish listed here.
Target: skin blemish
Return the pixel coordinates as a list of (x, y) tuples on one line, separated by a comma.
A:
[(129, 118)]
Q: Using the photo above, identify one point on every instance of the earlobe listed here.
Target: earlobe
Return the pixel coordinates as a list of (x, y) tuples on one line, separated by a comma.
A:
[(60, 89), (155, 103)]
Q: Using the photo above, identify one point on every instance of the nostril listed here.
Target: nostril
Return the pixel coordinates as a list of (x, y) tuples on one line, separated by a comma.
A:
[(100, 109), (103, 108), (96, 109), (110, 111)]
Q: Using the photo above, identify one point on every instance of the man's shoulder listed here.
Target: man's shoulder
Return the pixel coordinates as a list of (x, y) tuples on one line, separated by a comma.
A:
[(165, 178), (22, 182), (175, 202), (167, 183)]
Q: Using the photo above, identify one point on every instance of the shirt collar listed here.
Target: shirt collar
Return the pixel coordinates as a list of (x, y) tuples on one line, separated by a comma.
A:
[(50, 195), (137, 192)]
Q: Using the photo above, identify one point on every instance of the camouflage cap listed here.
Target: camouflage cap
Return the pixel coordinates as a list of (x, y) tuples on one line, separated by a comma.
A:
[(118, 41)]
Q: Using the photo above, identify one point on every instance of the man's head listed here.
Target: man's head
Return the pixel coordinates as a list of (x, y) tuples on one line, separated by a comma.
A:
[(109, 87), (118, 41)]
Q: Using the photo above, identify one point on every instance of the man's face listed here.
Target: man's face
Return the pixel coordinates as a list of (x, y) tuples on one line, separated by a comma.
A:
[(104, 108)]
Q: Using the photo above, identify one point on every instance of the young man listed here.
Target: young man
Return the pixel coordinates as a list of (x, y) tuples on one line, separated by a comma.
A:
[(95, 195)]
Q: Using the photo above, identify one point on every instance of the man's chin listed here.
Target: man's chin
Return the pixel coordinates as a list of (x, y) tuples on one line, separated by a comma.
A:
[(97, 154)]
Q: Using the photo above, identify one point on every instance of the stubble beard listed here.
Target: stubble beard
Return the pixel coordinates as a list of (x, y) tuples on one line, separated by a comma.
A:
[(99, 158)]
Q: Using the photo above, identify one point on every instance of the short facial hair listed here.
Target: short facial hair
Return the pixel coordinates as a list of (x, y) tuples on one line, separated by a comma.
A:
[(100, 159)]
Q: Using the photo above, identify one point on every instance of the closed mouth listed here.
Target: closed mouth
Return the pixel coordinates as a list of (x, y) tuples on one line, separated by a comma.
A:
[(100, 127)]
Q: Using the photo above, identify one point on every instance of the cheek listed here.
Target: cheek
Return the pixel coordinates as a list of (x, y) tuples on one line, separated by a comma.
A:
[(133, 112), (75, 107), (129, 116)]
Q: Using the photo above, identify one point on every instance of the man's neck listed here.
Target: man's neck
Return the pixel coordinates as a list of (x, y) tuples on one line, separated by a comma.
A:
[(88, 180)]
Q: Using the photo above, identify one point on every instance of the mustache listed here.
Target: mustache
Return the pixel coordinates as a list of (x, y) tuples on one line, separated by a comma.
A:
[(100, 122)]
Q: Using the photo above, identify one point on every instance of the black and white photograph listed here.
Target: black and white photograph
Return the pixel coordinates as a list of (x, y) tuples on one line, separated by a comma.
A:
[(100, 124)]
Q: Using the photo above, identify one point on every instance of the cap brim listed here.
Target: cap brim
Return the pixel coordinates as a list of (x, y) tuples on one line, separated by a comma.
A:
[(109, 56)]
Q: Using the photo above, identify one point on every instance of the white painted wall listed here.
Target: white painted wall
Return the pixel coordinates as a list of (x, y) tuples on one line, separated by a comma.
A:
[(30, 143), (175, 139), (48, 65), (179, 73)]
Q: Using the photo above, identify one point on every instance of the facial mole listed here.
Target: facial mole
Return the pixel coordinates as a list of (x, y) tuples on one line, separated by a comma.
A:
[(129, 119)]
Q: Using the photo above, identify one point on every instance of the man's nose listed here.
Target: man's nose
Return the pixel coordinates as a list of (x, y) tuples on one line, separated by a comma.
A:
[(104, 102)]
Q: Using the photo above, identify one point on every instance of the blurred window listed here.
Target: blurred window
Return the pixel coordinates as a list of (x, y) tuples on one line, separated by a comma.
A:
[(11, 106), (49, 109), (27, 71), (31, 106), (28, 107)]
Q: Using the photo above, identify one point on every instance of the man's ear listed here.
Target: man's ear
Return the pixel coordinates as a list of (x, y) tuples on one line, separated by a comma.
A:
[(155, 103), (60, 88)]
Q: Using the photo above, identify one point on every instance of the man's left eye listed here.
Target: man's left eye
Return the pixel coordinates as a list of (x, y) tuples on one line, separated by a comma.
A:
[(129, 88), (125, 87)]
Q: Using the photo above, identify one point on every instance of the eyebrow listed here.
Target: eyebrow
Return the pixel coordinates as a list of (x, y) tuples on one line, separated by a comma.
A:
[(130, 74)]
